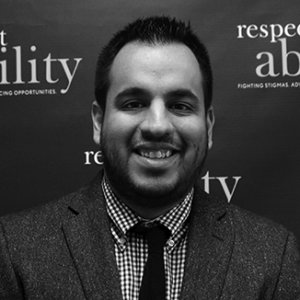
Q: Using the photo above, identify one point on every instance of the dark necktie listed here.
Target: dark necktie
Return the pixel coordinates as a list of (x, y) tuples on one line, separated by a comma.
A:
[(153, 285)]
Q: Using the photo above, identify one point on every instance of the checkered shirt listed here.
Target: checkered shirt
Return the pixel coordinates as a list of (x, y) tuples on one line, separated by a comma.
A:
[(131, 249)]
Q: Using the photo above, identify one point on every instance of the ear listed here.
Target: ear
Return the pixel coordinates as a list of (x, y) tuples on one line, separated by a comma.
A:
[(97, 117), (210, 121)]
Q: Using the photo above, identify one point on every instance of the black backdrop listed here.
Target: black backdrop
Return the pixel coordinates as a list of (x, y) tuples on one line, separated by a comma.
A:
[(47, 62)]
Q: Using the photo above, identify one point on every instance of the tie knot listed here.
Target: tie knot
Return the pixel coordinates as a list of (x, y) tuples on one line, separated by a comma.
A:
[(156, 234)]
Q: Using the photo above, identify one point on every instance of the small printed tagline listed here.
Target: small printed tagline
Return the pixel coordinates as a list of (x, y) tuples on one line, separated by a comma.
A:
[(267, 85), (28, 92)]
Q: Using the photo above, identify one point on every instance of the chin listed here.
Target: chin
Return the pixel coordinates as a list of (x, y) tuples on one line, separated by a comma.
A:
[(151, 190), (157, 188)]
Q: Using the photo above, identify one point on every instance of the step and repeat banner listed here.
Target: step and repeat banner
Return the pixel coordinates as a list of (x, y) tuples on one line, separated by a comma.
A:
[(48, 53)]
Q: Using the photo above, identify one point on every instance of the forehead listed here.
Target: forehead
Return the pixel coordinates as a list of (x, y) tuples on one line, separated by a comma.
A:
[(158, 66)]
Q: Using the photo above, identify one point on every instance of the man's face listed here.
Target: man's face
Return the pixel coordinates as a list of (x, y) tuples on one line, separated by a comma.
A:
[(154, 133)]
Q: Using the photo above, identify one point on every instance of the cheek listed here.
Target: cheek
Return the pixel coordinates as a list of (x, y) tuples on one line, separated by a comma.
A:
[(118, 129), (196, 146), (194, 133), (198, 149)]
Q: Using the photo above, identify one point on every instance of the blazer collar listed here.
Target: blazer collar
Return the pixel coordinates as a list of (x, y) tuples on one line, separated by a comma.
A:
[(87, 232), (209, 250)]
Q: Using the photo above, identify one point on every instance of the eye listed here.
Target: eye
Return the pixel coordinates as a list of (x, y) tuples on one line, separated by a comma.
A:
[(181, 108), (132, 105)]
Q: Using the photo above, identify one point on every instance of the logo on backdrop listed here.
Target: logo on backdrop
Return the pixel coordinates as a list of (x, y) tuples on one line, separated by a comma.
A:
[(20, 69), (279, 70)]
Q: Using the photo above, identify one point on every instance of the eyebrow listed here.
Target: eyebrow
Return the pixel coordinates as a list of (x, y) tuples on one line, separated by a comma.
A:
[(182, 93), (140, 92), (133, 92)]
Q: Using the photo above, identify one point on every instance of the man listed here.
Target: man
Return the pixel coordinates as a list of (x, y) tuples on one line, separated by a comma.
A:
[(144, 229)]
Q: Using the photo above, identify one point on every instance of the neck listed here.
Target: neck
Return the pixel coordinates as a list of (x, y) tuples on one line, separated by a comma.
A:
[(145, 206), (148, 213)]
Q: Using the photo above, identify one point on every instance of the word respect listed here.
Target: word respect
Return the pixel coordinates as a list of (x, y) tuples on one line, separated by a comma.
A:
[(273, 31)]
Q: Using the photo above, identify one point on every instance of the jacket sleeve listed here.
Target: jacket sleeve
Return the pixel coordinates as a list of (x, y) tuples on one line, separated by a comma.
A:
[(9, 286), (288, 284)]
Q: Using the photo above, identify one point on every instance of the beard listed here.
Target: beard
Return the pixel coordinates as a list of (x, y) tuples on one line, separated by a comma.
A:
[(124, 186)]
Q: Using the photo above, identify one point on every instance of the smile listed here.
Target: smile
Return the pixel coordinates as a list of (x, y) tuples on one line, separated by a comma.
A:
[(157, 154)]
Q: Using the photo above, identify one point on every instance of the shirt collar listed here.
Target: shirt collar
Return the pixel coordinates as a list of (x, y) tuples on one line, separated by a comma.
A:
[(120, 214), (124, 218)]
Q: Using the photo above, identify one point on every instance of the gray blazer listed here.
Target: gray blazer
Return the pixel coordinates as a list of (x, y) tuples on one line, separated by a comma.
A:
[(64, 250)]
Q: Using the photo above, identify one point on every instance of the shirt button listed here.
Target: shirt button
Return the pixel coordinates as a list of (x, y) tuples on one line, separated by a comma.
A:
[(122, 241), (171, 243)]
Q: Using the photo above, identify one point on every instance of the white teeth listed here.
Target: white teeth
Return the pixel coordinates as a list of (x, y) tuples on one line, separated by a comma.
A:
[(156, 154)]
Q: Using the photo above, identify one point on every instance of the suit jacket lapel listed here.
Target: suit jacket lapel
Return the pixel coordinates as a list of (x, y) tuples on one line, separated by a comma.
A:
[(87, 233), (210, 244)]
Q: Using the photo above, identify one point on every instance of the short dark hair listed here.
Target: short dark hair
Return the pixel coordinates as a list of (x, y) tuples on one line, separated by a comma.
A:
[(155, 31)]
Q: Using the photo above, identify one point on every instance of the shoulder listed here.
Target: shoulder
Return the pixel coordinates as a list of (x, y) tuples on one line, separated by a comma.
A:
[(247, 226), (34, 223), (259, 238), (266, 252), (251, 225)]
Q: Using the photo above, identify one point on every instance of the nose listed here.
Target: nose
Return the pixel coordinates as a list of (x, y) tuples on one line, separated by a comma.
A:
[(157, 123)]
